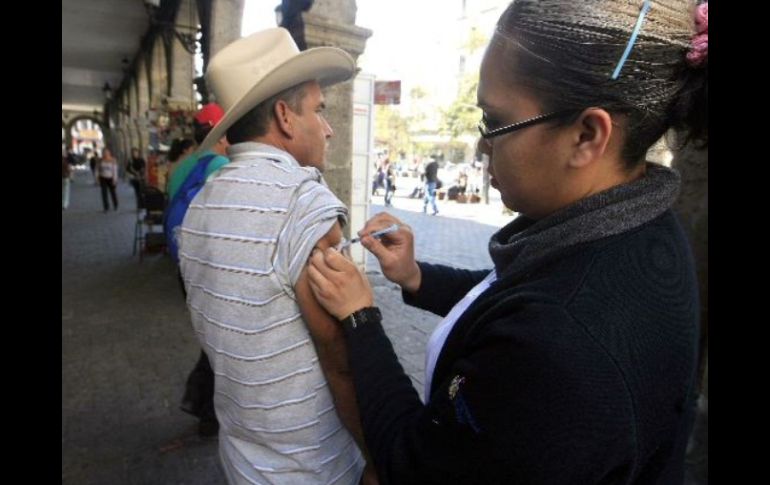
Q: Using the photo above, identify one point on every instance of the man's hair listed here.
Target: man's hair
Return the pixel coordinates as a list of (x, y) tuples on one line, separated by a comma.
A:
[(200, 130), (178, 146), (256, 122)]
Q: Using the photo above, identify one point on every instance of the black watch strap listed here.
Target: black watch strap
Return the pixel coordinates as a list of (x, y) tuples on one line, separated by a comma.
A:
[(362, 317)]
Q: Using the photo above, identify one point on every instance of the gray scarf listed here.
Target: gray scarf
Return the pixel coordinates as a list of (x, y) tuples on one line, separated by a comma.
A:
[(525, 243)]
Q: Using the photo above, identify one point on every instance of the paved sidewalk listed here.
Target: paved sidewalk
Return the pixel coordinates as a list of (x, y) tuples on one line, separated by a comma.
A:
[(127, 346)]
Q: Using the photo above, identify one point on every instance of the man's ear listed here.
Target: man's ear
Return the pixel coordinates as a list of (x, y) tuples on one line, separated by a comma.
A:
[(591, 135), (282, 114)]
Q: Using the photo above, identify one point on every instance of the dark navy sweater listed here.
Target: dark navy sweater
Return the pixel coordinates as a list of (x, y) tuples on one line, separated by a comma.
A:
[(580, 372)]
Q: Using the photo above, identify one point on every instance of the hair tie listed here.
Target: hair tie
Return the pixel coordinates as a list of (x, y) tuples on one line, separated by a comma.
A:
[(699, 49)]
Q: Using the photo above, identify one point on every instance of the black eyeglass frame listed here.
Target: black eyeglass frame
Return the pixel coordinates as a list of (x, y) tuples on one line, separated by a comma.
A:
[(520, 125)]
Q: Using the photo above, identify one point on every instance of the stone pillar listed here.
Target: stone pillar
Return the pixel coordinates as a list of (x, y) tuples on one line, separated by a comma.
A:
[(342, 12), (158, 75), (183, 63), (332, 23), (692, 208), (129, 133), (226, 16), (133, 114), (143, 104), (126, 139)]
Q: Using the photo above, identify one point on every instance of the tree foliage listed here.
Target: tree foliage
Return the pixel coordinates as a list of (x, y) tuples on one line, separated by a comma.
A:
[(391, 129), (462, 116)]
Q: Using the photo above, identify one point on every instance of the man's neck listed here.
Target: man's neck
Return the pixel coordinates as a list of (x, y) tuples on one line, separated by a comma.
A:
[(272, 140), (220, 149)]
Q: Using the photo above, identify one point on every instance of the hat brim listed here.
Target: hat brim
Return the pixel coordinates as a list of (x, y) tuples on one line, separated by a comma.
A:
[(327, 65)]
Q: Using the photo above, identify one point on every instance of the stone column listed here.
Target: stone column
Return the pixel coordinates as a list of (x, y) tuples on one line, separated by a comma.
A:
[(692, 208), (226, 16), (143, 97), (133, 115), (182, 73), (158, 75), (332, 23)]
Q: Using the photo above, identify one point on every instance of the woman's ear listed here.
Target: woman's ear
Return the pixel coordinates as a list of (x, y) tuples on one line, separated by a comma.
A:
[(593, 130)]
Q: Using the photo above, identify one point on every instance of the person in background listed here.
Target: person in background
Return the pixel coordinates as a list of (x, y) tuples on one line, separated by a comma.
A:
[(136, 176), (431, 185), (181, 148), (203, 122), (66, 177), (198, 398), (93, 161), (107, 168)]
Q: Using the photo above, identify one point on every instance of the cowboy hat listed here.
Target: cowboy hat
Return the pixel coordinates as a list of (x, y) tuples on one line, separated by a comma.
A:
[(254, 68)]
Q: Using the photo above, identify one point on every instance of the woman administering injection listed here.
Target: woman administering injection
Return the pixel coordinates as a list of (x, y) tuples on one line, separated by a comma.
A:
[(573, 360)]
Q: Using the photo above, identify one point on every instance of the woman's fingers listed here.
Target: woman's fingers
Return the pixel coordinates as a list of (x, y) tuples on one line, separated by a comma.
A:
[(375, 247), (336, 261), (337, 283), (318, 261)]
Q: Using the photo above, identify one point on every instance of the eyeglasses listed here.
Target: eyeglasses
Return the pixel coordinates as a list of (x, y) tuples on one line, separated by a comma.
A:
[(487, 133)]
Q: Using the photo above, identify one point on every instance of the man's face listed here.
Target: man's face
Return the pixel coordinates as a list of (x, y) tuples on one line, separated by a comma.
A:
[(312, 131)]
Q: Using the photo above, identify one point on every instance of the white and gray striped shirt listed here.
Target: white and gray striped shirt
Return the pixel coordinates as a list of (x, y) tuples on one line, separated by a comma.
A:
[(244, 242)]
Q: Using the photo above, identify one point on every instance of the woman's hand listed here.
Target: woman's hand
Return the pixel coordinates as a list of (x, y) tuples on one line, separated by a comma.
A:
[(337, 283), (395, 251)]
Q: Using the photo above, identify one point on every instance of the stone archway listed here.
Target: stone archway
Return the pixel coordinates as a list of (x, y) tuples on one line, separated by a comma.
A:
[(73, 122)]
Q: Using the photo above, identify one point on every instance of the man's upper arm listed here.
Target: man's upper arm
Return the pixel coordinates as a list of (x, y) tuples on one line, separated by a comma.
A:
[(331, 238), (324, 325)]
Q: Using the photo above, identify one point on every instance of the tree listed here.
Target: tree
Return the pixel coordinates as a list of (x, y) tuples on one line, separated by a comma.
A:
[(417, 93), (462, 116), (391, 129)]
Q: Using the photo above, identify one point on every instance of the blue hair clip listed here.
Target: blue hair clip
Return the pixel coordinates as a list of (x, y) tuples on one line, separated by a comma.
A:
[(637, 28)]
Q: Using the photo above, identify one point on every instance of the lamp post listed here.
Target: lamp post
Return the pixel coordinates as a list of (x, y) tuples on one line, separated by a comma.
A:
[(107, 90)]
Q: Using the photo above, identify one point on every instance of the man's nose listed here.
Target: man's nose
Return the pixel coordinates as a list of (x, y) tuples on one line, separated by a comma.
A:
[(328, 128)]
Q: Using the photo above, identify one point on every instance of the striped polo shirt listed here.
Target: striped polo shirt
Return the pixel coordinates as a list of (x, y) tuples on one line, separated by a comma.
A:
[(244, 241)]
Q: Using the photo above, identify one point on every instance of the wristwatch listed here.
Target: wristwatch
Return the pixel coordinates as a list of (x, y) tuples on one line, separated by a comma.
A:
[(362, 317)]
